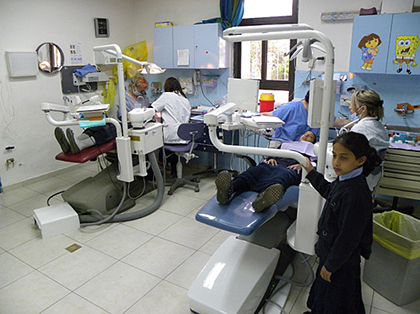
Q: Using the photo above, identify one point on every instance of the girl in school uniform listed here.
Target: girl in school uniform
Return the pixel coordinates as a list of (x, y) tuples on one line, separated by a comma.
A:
[(344, 228)]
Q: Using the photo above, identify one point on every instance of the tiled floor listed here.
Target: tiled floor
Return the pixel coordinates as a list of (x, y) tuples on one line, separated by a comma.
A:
[(142, 266)]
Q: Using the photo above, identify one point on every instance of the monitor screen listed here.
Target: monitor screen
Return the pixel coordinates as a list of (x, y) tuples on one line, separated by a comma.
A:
[(244, 93)]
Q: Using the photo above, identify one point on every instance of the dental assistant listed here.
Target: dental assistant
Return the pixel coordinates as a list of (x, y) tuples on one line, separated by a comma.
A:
[(175, 109), (368, 105)]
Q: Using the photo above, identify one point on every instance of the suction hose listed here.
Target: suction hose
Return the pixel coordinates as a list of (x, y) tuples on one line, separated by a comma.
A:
[(88, 220)]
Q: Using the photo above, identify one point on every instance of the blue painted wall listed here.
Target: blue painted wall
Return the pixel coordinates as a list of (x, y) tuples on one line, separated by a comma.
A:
[(393, 89)]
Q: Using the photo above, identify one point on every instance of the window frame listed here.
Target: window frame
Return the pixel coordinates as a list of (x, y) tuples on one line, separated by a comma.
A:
[(264, 83)]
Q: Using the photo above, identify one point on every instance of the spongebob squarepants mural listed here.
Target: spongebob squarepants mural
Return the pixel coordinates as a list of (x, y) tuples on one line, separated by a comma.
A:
[(405, 52)]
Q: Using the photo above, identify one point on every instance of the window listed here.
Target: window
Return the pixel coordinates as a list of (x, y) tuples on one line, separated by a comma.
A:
[(265, 60)]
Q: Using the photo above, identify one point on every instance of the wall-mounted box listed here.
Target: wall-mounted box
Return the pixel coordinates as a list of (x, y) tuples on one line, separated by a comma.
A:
[(20, 64)]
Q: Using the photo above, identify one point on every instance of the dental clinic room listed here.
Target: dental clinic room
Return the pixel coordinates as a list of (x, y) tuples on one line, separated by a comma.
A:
[(210, 157)]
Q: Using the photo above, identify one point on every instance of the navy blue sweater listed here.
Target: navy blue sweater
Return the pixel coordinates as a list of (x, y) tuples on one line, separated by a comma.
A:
[(345, 225)]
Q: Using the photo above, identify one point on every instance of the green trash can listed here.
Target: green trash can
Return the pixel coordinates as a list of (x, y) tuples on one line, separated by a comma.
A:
[(393, 269)]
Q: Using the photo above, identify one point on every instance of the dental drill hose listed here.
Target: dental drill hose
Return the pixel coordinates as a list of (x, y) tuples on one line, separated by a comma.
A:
[(89, 220)]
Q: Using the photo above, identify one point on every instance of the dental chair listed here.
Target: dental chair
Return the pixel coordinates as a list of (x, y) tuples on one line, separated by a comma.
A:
[(105, 196), (238, 277), (87, 154), (189, 132)]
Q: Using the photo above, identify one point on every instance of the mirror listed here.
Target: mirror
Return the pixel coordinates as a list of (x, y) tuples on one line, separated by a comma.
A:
[(50, 57)]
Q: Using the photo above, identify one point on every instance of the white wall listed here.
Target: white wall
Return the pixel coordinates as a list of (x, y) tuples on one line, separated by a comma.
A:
[(340, 33), (23, 26)]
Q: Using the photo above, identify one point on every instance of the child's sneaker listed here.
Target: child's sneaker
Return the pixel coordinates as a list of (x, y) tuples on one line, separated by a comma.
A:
[(224, 187), (268, 197)]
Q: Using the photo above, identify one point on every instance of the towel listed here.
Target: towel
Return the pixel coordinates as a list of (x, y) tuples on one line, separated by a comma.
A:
[(85, 70)]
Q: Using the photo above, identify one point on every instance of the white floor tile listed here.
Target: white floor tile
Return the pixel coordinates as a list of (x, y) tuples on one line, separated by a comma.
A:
[(118, 288), (141, 266), (381, 303), (207, 190), (175, 301), (49, 186), (74, 269), (12, 269), (9, 216), (189, 232), (85, 234), (181, 204), (185, 274), (38, 252), (119, 241), (18, 233), (26, 207), (213, 244), (154, 223), (73, 304), (31, 294), (158, 257), (10, 197)]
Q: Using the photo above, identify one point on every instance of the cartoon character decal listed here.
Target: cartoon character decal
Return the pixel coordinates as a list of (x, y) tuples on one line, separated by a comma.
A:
[(369, 46), (405, 51)]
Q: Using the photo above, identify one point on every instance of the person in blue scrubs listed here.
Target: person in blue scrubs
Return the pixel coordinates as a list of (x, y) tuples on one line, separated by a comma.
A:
[(295, 116)]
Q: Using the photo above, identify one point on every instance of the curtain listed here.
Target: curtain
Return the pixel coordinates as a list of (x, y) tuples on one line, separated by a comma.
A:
[(231, 12)]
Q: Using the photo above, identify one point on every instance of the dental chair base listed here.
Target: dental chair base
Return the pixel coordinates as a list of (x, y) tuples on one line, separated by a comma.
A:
[(101, 194), (235, 278), (238, 276)]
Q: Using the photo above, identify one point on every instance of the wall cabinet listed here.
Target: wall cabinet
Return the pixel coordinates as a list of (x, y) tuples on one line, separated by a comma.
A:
[(386, 44), (191, 47)]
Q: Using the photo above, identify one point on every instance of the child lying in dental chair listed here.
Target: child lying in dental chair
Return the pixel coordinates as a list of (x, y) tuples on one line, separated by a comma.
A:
[(135, 97), (270, 178)]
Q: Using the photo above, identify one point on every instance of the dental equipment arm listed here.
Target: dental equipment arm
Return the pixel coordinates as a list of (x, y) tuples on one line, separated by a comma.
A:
[(275, 32), (48, 108)]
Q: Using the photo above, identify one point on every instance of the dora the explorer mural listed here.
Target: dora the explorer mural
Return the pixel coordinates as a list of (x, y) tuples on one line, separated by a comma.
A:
[(369, 46), (405, 52)]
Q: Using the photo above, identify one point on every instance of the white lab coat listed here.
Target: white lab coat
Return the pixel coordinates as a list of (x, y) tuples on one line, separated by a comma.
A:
[(374, 131), (176, 110), (377, 135)]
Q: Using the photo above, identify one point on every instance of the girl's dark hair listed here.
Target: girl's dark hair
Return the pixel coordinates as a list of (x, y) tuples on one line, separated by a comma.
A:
[(173, 85), (358, 144)]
